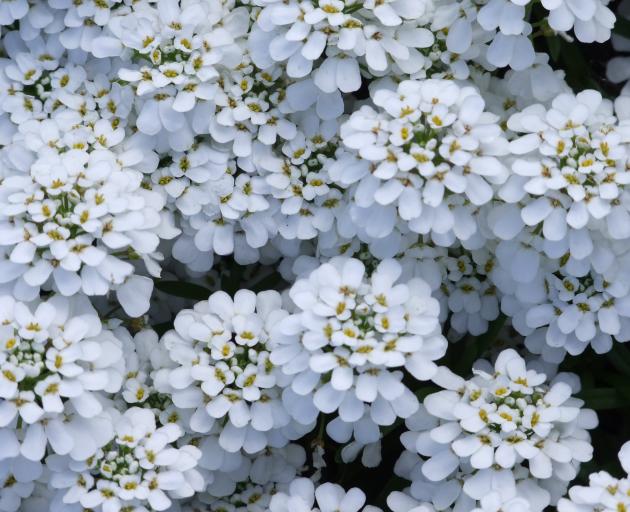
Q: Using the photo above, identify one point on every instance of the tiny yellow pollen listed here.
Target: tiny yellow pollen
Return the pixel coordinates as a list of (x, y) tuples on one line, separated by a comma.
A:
[(52, 389), (10, 376), (560, 147), (535, 419)]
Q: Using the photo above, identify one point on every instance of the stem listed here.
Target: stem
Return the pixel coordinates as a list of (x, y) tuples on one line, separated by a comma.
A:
[(321, 428)]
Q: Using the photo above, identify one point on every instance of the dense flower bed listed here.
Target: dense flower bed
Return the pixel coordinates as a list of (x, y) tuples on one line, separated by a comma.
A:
[(255, 254)]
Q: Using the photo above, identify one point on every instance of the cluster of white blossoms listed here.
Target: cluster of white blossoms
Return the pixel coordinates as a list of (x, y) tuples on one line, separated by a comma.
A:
[(604, 492), (57, 364), (222, 370), (327, 41), (140, 466), (74, 216), (242, 242), (565, 226), (350, 342), (500, 33), (302, 495), (501, 435), (427, 156)]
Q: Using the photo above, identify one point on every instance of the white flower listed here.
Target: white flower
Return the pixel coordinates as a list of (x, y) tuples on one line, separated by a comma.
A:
[(18, 476), (412, 152), (73, 208), (56, 360), (506, 425), (577, 165), (591, 21), (351, 332), (224, 372), (139, 464), (302, 496), (604, 492), (401, 502), (401, 171), (383, 35)]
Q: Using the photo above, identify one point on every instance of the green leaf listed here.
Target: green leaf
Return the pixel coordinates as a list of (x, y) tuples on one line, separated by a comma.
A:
[(463, 353), (399, 423), (554, 47), (232, 278), (467, 354), (605, 398), (622, 27), (578, 71), (619, 357), (273, 281), (160, 329), (485, 341), (183, 289)]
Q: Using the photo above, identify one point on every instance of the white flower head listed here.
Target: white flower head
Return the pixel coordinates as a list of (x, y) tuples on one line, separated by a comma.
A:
[(57, 362), (426, 146), (507, 426), (352, 337), (224, 372), (140, 465), (604, 492)]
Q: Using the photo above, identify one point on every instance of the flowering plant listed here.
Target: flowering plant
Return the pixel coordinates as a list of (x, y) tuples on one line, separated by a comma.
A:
[(257, 253)]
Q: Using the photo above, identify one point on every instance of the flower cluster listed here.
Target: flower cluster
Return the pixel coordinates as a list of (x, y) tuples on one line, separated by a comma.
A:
[(428, 156), (141, 465), (74, 215), (57, 363), (337, 36), (504, 433), (568, 197), (329, 497), (604, 491), (222, 369), (242, 242), (350, 341)]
